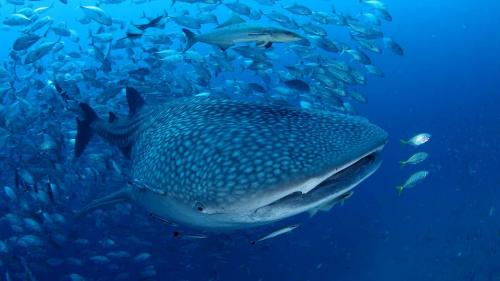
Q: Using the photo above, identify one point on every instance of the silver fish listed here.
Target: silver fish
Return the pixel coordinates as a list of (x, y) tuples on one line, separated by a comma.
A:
[(38, 53), (394, 46), (275, 233), (16, 20), (412, 181), (97, 14), (25, 41), (298, 9), (416, 158), (418, 139)]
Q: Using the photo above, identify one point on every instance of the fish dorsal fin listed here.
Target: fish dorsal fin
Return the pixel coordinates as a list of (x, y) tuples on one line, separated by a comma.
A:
[(112, 117), (126, 151), (134, 100), (234, 19)]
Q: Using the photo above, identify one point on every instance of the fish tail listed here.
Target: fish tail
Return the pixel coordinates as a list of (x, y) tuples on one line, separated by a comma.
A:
[(84, 129), (402, 163), (403, 142), (400, 189), (46, 32), (343, 50), (190, 39)]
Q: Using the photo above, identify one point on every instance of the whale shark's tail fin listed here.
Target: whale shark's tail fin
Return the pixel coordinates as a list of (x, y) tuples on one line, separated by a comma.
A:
[(84, 130), (115, 130)]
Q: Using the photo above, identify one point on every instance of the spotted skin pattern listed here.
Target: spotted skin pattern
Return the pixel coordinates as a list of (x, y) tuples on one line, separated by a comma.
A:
[(218, 154)]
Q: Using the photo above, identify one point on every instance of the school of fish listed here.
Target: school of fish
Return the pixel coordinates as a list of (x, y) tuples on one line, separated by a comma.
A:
[(221, 115)]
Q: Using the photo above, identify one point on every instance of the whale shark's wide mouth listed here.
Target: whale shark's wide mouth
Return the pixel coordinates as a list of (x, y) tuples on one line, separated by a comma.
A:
[(333, 188)]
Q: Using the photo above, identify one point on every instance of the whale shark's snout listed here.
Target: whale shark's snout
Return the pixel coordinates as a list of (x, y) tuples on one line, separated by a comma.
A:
[(334, 188)]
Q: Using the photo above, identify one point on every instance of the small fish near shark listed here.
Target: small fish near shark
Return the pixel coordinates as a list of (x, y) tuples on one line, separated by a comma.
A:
[(218, 164)]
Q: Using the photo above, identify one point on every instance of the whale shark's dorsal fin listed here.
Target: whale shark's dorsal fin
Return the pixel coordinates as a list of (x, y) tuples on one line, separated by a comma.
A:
[(234, 19), (134, 100), (119, 134), (84, 130)]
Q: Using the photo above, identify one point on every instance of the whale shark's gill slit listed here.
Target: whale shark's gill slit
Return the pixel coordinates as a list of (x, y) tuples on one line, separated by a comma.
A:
[(290, 196), (349, 170)]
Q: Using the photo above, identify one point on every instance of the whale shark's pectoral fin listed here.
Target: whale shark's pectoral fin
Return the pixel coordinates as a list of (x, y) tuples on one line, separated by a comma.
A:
[(120, 196), (312, 212)]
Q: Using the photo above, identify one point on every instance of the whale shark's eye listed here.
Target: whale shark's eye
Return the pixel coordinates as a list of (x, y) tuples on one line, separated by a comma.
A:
[(199, 206)]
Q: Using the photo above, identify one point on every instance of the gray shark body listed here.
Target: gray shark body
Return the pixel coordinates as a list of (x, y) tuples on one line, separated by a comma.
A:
[(236, 30), (222, 164)]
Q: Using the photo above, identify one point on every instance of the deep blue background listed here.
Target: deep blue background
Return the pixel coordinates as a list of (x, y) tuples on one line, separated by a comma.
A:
[(448, 84)]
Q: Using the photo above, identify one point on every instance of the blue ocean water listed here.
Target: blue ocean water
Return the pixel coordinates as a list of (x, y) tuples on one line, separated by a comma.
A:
[(446, 228)]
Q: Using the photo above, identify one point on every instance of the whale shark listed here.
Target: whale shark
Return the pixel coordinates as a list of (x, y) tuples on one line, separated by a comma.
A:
[(220, 164)]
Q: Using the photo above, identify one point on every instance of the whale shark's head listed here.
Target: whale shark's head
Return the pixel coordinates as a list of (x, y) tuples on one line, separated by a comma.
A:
[(230, 165)]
